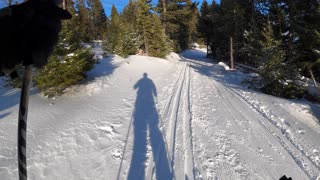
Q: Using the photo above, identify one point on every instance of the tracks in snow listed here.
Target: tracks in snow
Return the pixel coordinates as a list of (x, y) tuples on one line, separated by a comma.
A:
[(269, 129), (176, 124), (283, 136), (223, 155), (237, 137)]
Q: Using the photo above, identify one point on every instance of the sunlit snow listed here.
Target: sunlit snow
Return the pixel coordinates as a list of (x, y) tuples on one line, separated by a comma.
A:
[(184, 117)]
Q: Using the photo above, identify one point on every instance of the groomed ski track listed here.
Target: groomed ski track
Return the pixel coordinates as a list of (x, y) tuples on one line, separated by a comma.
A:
[(176, 118), (238, 123), (229, 143)]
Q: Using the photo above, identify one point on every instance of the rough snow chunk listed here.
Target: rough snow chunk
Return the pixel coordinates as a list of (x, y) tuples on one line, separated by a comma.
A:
[(116, 154), (195, 45), (226, 67), (70, 55)]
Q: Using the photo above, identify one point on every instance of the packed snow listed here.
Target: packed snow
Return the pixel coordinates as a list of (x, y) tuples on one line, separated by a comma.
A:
[(183, 117)]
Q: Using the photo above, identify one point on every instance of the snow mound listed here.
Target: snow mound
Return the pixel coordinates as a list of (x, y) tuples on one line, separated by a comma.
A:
[(173, 57), (101, 77), (226, 67)]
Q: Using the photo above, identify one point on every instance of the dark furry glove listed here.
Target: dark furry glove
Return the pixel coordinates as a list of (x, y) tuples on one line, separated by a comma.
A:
[(29, 32)]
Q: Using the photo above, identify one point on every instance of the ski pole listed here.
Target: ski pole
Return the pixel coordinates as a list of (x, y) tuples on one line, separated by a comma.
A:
[(22, 123)]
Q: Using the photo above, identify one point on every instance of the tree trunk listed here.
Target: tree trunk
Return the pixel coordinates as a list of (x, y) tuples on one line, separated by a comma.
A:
[(145, 40), (314, 80), (231, 54), (207, 46), (164, 4)]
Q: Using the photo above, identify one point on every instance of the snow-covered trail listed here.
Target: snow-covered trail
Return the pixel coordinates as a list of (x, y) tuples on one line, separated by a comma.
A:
[(176, 117), (237, 139), (149, 118)]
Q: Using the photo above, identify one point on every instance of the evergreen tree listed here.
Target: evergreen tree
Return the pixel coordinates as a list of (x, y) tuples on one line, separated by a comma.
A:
[(297, 24), (306, 38), (99, 19), (154, 38), (157, 40), (112, 42), (204, 20), (69, 61), (275, 76), (284, 50), (85, 20), (178, 21), (135, 28), (130, 14), (192, 25)]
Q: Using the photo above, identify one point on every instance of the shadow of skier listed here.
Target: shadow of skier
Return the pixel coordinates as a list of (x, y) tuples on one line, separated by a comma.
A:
[(146, 117)]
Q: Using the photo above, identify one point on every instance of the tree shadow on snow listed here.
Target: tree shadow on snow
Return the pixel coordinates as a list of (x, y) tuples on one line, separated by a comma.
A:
[(230, 79), (104, 67), (10, 98), (315, 108), (146, 118), (4, 115)]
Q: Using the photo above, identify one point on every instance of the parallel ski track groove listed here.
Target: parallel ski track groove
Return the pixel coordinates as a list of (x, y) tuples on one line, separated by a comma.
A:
[(219, 95), (190, 122), (177, 88), (169, 100), (297, 146), (172, 129), (150, 167), (172, 112), (277, 137), (187, 128)]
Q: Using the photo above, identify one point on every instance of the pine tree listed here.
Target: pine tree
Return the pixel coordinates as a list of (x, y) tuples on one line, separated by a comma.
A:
[(177, 20), (285, 49), (136, 28), (99, 18), (297, 24), (130, 14), (112, 39), (133, 30), (85, 20), (217, 33), (276, 78), (306, 42), (158, 41), (69, 61), (155, 42), (144, 22), (192, 24), (204, 19), (251, 49)]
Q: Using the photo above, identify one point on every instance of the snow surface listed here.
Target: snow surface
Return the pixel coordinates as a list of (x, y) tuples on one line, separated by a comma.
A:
[(183, 117)]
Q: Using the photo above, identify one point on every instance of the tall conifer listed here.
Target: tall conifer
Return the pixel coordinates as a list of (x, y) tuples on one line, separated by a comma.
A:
[(99, 18)]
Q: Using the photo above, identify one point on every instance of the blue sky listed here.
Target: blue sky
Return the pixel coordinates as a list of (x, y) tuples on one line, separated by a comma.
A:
[(120, 4)]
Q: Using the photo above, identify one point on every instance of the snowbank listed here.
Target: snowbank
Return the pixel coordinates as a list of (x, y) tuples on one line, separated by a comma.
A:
[(226, 67)]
